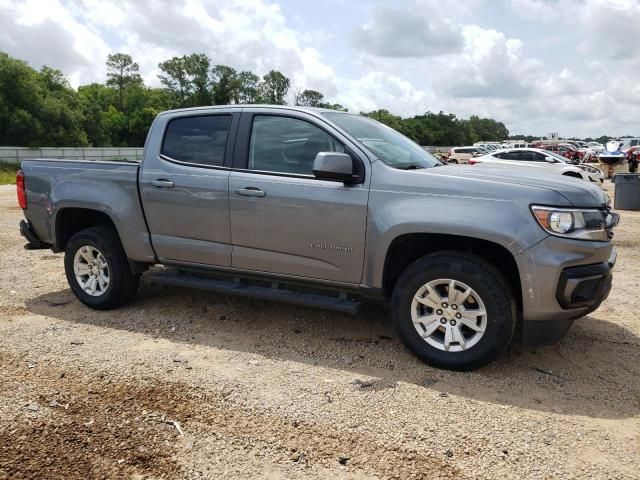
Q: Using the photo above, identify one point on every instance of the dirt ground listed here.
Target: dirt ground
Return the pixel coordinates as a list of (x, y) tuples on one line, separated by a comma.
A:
[(185, 384)]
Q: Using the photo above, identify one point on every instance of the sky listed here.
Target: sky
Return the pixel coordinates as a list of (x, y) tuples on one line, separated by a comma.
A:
[(539, 66)]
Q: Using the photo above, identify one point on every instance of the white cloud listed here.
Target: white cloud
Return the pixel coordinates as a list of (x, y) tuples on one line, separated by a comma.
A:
[(490, 65), (566, 65), (246, 34), (412, 32), (380, 90)]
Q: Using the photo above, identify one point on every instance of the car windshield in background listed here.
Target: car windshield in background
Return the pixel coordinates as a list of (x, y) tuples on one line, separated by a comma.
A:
[(391, 147), (556, 156)]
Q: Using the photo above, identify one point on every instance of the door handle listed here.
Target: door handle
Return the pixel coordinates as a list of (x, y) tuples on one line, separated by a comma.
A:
[(250, 192), (162, 183)]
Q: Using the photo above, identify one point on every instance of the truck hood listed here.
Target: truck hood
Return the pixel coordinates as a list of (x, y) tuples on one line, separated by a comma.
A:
[(576, 192), (505, 182)]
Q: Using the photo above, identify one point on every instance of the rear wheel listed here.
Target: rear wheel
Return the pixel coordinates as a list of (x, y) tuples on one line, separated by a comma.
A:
[(454, 310), (98, 270)]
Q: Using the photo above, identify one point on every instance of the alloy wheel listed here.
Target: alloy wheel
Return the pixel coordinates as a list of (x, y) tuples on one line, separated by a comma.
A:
[(449, 315)]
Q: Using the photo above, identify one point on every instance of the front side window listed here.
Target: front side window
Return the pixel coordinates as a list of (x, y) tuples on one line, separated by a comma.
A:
[(510, 155), (531, 156), (287, 145), (198, 139)]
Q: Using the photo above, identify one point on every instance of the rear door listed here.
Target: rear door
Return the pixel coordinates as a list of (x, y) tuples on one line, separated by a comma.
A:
[(283, 219), (184, 186)]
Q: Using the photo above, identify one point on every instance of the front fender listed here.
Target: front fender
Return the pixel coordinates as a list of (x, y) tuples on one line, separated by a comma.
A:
[(504, 222)]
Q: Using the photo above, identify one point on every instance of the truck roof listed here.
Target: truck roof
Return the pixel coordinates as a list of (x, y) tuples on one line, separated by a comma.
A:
[(315, 110)]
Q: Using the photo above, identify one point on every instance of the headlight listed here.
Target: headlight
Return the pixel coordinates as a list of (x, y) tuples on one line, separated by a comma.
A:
[(572, 223), (590, 169)]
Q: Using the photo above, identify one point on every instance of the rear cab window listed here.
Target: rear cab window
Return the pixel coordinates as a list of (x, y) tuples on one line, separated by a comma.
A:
[(199, 140)]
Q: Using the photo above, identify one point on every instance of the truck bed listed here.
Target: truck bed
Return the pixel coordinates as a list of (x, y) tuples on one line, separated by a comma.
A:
[(56, 186)]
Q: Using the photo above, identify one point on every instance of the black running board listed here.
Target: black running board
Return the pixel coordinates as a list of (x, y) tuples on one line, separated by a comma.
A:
[(246, 289)]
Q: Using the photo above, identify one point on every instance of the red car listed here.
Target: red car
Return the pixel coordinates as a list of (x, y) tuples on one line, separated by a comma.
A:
[(567, 150)]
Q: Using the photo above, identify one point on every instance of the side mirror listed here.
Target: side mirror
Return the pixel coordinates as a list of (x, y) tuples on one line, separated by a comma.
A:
[(550, 159), (334, 166)]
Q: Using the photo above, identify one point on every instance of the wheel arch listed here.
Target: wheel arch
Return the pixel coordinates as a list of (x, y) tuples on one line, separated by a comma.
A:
[(71, 220), (406, 249)]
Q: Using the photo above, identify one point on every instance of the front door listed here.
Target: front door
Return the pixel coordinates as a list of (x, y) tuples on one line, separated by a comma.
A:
[(284, 220), (184, 187)]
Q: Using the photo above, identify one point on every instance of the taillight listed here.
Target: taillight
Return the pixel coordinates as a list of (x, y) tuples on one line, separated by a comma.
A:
[(22, 194), (472, 161)]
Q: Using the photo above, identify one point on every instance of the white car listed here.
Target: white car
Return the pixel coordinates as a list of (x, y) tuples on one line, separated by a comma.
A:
[(462, 154), (538, 158), (596, 147)]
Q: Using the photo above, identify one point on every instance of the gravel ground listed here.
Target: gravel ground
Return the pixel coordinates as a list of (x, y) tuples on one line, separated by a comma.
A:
[(185, 384)]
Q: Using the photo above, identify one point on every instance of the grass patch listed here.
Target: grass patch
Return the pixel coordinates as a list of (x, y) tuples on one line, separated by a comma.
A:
[(8, 172)]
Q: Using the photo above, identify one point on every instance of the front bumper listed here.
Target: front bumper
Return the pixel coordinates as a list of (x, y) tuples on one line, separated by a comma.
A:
[(562, 280), (585, 286), (580, 291)]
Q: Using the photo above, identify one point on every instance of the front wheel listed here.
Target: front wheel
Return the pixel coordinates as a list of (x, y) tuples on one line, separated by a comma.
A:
[(454, 310), (98, 270)]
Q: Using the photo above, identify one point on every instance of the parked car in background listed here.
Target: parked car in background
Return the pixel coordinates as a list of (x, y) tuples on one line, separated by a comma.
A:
[(463, 154), (567, 150), (546, 160), (596, 147), (582, 147), (630, 142)]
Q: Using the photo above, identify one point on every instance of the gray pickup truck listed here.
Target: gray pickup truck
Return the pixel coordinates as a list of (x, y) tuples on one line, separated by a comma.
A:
[(327, 209)]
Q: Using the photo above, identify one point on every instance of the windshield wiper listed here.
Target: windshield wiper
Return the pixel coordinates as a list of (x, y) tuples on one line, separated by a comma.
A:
[(409, 166)]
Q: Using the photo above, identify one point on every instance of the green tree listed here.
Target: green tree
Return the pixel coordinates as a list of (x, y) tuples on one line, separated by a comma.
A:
[(176, 80), (95, 100), (145, 104), (487, 129), (274, 88), (248, 90), (335, 106), (41, 108), (386, 117), (309, 98), (225, 84), (38, 108), (196, 67), (60, 110), (122, 72), (20, 101)]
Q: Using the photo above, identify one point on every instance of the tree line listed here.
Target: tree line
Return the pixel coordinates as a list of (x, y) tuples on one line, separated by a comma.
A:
[(40, 108), (443, 129)]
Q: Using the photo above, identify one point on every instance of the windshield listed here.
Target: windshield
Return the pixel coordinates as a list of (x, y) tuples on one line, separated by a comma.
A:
[(391, 147), (556, 156)]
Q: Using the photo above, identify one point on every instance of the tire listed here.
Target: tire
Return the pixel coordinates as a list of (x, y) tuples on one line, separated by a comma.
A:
[(485, 282), (453, 161), (121, 284)]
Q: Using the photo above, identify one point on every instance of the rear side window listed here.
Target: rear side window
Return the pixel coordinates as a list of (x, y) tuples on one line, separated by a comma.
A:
[(199, 139)]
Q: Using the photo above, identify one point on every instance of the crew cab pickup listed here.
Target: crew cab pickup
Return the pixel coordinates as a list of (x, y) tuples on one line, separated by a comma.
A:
[(328, 209)]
